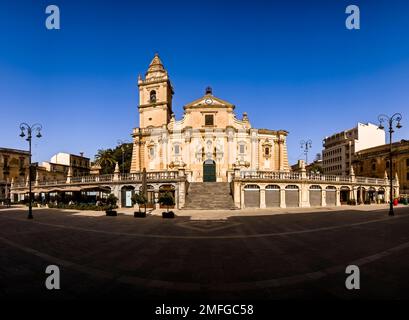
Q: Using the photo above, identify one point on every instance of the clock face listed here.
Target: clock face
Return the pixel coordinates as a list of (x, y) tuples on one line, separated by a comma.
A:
[(208, 101)]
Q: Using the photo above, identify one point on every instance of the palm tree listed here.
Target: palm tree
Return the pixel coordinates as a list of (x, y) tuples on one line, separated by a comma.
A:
[(105, 158)]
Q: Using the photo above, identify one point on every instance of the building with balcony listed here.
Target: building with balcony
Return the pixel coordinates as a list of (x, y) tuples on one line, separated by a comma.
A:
[(374, 162), (340, 148), (13, 166)]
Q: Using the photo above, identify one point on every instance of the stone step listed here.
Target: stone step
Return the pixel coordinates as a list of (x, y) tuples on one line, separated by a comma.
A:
[(209, 196)]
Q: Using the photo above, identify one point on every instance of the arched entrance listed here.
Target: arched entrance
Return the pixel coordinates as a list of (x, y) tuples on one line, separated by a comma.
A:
[(252, 196), (292, 196), (209, 171), (331, 196), (272, 196), (127, 193), (315, 196), (344, 195)]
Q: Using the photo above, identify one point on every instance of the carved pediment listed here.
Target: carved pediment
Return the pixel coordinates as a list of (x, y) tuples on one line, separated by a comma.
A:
[(209, 101)]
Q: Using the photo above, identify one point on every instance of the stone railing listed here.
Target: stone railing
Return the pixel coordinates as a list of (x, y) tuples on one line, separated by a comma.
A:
[(106, 178), (269, 175), (277, 175)]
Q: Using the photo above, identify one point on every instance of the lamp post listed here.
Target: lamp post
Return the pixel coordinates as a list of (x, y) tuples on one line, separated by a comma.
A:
[(25, 127), (306, 146), (397, 117), (121, 143)]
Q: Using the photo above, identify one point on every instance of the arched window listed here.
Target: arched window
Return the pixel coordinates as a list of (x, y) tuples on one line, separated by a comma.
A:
[(152, 152), (152, 96)]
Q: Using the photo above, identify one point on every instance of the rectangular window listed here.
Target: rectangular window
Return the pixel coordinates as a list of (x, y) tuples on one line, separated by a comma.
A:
[(242, 148), (209, 120), (177, 149)]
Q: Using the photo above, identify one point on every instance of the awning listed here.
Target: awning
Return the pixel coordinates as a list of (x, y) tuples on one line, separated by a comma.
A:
[(19, 191), (71, 189), (96, 188), (55, 190), (39, 190)]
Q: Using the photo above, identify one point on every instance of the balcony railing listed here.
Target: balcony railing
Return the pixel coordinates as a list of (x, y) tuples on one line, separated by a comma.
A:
[(106, 178), (276, 175)]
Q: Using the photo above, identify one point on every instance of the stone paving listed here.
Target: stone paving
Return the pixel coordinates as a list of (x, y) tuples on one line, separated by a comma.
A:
[(232, 254)]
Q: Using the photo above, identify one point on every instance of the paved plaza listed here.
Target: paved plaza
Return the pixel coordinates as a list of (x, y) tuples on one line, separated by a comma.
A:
[(232, 254)]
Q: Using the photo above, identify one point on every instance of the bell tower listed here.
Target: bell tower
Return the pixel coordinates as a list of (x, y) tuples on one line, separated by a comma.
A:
[(155, 96)]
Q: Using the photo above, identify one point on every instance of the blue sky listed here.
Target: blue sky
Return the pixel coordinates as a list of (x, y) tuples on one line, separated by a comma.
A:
[(290, 64)]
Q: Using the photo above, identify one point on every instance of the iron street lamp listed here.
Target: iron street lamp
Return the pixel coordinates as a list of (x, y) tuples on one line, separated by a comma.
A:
[(25, 127), (306, 146), (121, 144), (397, 117)]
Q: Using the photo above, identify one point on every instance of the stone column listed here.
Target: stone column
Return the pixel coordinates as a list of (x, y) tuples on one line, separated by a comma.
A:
[(165, 150), (396, 185), (156, 204), (236, 172), (281, 153), (323, 198), (253, 142), (387, 194), (304, 196), (36, 180), (237, 194), (241, 197), (262, 198), (69, 175), (230, 149), (138, 157), (182, 194), (116, 191), (354, 193), (181, 187), (282, 198), (338, 197), (116, 172)]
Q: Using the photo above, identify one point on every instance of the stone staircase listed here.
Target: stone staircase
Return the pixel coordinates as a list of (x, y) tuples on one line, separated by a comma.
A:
[(209, 196)]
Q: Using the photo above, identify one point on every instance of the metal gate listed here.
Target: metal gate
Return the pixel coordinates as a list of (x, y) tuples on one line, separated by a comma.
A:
[(331, 196), (252, 196), (315, 196), (272, 196), (292, 196)]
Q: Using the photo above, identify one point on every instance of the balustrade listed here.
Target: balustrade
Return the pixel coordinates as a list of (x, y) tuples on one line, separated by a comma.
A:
[(277, 175)]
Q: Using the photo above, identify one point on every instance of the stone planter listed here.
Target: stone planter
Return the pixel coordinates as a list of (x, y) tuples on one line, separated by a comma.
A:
[(168, 215), (138, 214), (111, 213)]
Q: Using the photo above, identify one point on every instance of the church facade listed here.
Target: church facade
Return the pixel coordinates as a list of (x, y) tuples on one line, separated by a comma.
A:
[(209, 142)]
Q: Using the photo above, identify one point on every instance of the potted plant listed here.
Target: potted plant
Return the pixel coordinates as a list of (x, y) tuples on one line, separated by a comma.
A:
[(167, 200), (140, 199), (111, 202), (351, 202)]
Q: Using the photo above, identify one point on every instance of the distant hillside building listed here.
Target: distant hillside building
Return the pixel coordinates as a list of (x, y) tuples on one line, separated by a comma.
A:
[(340, 148)]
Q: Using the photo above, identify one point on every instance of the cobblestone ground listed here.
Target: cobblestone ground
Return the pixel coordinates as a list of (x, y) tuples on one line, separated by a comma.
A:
[(246, 255)]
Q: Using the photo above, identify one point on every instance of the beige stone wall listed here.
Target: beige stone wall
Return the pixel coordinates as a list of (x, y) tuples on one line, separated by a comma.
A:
[(373, 162), (13, 164)]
